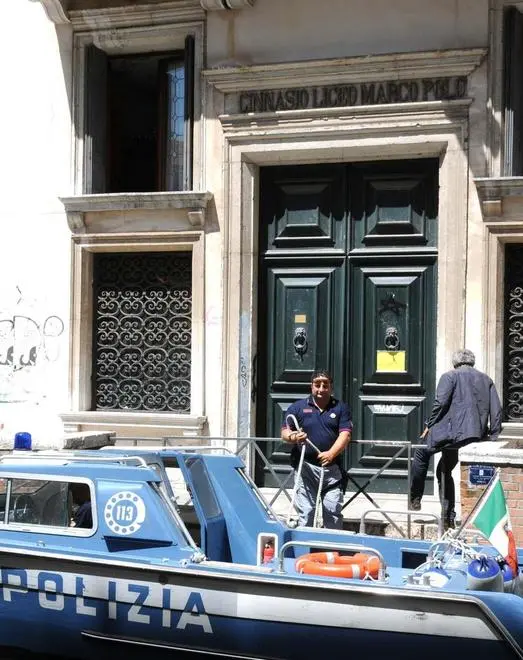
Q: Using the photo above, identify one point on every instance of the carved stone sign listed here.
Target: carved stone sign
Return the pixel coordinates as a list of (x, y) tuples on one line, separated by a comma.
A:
[(336, 96)]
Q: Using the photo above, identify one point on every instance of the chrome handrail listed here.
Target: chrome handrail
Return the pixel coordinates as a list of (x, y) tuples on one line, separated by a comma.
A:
[(162, 448), (329, 545), (64, 455)]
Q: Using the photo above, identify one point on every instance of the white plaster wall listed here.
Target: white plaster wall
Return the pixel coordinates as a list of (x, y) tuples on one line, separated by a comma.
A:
[(35, 130), (286, 30), (215, 269)]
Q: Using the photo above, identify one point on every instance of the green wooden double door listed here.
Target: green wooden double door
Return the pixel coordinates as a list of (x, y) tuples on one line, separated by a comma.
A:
[(347, 281)]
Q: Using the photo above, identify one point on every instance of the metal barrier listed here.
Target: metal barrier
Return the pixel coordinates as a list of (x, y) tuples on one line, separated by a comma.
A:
[(251, 447)]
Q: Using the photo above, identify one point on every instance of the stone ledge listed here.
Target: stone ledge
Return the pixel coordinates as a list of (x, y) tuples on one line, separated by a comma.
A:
[(189, 200), (366, 68), (66, 441), (505, 452), (89, 440), (131, 424)]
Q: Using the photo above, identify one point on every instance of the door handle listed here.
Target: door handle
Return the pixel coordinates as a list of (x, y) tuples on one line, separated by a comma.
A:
[(300, 341), (392, 340)]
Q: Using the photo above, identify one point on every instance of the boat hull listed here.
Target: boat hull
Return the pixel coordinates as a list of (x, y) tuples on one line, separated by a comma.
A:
[(194, 614)]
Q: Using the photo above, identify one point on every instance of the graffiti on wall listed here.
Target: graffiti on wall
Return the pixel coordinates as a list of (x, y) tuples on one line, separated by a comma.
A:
[(30, 342)]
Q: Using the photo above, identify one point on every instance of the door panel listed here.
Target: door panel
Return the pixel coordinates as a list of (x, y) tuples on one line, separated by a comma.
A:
[(304, 311), (305, 210), (389, 308), (302, 316), (389, 388), (395, 206), (95, 139), (348, 265)]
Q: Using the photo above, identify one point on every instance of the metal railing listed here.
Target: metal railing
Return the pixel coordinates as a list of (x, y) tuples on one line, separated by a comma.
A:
[(251, 449), (433, 519)]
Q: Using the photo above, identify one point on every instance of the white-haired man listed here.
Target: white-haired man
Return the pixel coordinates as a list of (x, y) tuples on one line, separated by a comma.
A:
[(466, 409)]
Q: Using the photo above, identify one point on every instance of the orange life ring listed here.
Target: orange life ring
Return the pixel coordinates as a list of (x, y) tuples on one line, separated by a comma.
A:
[(333, 564)]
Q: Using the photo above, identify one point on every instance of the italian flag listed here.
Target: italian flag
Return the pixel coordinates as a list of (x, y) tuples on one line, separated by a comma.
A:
[(492, 519)]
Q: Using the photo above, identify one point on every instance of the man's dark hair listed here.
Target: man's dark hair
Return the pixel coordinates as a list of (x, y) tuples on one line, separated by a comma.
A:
[(463, 357), (321, 373)]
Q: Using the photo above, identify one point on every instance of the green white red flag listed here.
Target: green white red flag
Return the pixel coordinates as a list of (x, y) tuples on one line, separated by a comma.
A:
[(492, 519)]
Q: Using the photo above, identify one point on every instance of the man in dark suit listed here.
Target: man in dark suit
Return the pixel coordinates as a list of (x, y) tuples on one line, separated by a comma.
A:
[(466, 401)]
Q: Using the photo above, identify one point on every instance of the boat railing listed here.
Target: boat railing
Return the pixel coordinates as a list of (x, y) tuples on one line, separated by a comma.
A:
[(64, 455), (421, 518), (254, 450), (182, 448), (330, 545)]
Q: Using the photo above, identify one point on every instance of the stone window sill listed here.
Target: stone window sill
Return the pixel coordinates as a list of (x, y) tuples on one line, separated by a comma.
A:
[(135, 424)]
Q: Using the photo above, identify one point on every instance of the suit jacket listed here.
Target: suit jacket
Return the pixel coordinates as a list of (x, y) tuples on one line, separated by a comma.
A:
[(466, 400)]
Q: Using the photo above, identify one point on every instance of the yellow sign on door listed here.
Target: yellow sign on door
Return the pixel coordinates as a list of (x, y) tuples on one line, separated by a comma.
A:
[(390, 360)]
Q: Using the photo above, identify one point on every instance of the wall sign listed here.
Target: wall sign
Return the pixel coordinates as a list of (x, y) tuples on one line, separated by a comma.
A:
[(390, 361), (335, 96), (480, 475)]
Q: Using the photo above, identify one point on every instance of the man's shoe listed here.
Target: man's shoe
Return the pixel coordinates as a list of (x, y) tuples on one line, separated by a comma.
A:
[(415, 504), (448, 524)]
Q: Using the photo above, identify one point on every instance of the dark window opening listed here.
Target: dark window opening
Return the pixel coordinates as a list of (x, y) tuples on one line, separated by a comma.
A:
[(513, 92), (138, 121)]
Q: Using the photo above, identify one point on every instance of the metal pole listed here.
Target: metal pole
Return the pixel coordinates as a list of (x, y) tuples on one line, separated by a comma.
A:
[(409, 482), (478, 502)]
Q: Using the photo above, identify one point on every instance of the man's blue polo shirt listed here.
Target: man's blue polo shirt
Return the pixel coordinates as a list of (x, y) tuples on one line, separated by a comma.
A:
[(322, 427)]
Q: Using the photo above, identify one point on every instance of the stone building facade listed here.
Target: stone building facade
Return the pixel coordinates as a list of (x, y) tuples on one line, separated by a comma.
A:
[(216, 197)]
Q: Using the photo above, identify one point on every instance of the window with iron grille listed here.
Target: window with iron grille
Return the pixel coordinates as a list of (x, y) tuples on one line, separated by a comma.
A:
[(513, 348), (142, 331)]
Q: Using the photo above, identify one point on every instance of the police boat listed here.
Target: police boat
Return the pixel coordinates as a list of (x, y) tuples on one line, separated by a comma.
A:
[(176, 554)]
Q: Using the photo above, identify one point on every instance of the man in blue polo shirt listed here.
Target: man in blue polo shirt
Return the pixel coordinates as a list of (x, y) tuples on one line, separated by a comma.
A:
[(326, 422)]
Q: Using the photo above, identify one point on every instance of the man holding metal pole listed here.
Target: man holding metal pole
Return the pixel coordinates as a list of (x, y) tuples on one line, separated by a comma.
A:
[(324, 424)]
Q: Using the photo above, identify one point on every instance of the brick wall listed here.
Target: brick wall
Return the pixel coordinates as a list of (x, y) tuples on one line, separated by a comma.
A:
[(512, 480)]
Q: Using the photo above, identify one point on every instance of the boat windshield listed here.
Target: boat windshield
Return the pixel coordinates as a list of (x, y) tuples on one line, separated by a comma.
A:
[(258, 494), (173, 511)]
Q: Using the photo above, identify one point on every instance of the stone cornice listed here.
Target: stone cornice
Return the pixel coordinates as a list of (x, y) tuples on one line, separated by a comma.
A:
[(369, 68), (56, 10), (161, 424), (506, 186), (402, 118), (128, 201), (193, 203), (171, 11), (492, 192), (212, 5), (176, 11)]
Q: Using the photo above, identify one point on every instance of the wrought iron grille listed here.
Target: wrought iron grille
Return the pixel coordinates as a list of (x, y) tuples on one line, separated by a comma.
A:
[(513, 363), (142, 331)]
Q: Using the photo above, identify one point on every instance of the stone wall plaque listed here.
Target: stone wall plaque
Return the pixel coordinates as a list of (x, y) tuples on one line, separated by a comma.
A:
[(347, 95)]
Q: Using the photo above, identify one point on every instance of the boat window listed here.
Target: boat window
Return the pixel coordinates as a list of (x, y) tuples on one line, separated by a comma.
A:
[(183, 499), (44, 502), (81, 508), (256, 491), (203, 488), (177, 515)]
